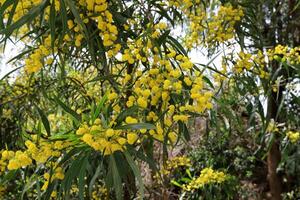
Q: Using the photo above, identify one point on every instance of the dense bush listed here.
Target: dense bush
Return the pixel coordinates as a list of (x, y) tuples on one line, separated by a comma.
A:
[(103, 87)]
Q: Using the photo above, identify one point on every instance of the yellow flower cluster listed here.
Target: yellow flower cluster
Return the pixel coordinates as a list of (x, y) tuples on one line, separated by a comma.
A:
[(76, 28), (20, 159), (36, 60), (221, 26), (141, 49), (175, 163), (40, 153), (171, 166), (285, 54), (97, 12), (5, 157), (254, 63), (108, 31), (7, 113), (58, 174), (100, 193), (244, 62), (152, 90), (207, 176), (258, 63), (22, 8), (107, 140), (208, 28), (159, 133), (293, 136), (272, 127)]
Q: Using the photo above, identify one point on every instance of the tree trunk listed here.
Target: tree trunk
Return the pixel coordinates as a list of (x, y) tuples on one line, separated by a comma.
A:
[(274, 155), (273, 178)]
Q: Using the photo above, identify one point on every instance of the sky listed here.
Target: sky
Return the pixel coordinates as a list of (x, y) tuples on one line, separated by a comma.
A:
[(10, 51)]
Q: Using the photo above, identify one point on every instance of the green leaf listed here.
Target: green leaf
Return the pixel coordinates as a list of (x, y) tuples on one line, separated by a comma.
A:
[(77, 165), (67, 109), (189, 173), (184, 130), (17, 57), (44, 120), (117, 183), (176, 45), (52, 19), (174, 182), (269, 144), (136, 173), (137, 126), (81, 181), (70, 154), (279, 109), (12, 71), (163, 12), (100, 107), (29, 184), (27, 18), (3, 8), (208, 81), (94, 178), (163, 37), (10, 175), (141, 155), (63, 16)]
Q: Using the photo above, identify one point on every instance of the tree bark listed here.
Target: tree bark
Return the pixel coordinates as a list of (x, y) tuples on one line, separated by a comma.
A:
[(274, 154), (273, 178)]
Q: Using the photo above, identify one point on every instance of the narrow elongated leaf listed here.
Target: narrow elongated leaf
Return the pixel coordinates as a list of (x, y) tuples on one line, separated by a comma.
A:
[(174, 182), (12, 71), (117, 183), (52, 19), (29, 184), (208, 81), (20, 55), (77, 165), (94, 178), (141, 155), (163, 37), (184, 130), (99, 107), (3, 8), (137, 126), (44, 120), (63, 15), (67, 109), (176, 44), (81, 181), (27, 18), (136, 172)]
